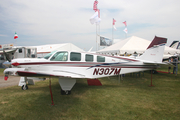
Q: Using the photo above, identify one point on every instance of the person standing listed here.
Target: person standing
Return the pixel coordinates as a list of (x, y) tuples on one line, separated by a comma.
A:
[(169, 68), (175, 63)]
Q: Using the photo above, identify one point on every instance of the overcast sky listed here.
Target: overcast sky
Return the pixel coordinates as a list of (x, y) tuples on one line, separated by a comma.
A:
[(39, 22)]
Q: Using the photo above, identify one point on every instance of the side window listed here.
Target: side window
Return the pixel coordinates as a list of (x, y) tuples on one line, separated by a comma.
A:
[(100, 59), (20, 50), (74, 56), (60, 56), (89, 58)]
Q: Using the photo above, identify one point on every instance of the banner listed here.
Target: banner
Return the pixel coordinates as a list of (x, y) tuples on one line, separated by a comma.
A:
[(105, 41)]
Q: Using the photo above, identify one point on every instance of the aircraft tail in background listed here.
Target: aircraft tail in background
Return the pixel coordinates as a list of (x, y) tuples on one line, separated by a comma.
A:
[(155, 50), (175, 44)]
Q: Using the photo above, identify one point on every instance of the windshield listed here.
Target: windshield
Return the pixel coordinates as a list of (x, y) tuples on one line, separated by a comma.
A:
[(60, 56), (48, 55)]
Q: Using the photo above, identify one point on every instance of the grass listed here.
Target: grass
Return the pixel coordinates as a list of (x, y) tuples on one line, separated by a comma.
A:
[(1, 71), (130, 99)]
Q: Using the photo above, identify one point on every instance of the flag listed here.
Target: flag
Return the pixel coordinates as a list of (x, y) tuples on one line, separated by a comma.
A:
[(125, 23), (95, 6), (95, 18), (114, 21), (114, 24), (15, 36), (98, 12), (125, 30)]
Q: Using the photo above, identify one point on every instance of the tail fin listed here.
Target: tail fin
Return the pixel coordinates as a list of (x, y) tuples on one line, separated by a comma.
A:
[(155, 50), (175, 44)]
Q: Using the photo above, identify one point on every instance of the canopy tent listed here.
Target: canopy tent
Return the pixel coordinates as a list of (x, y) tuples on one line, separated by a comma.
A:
[(42, 50), (133, 45)]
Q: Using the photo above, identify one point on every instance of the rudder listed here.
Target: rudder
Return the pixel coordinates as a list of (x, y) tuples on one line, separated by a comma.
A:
[(155, 50)]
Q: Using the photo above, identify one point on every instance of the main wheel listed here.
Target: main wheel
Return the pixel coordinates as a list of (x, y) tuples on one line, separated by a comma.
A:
[(67, 92), (24, 87)]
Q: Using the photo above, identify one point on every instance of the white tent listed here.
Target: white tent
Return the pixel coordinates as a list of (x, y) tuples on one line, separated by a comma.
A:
[(131, 45), (42, 50)]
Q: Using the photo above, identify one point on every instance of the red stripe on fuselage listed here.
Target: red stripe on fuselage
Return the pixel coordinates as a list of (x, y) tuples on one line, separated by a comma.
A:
[(85, 64)]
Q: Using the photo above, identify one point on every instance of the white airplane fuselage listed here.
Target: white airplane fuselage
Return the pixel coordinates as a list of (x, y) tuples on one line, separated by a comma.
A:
[(69, 65), (113, 65)]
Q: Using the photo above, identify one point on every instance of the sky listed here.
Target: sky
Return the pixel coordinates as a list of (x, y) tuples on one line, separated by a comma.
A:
[(40, 22)]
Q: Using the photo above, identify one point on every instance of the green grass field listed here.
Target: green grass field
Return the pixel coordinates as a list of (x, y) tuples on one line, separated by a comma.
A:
[(129, 99), (1, 71)]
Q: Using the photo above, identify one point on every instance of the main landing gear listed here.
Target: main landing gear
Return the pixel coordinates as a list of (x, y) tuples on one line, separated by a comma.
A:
[(65, 92), (66, 85), (24, 87)]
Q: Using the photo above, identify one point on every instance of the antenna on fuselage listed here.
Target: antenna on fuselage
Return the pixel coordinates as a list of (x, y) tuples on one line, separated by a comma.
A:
[(90, 49)]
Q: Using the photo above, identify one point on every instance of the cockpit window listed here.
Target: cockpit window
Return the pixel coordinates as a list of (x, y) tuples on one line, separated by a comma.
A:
[(60, 56), (48, 55)]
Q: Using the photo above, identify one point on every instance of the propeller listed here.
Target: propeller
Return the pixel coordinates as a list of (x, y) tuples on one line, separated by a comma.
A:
[(7, 56), (8, 62)]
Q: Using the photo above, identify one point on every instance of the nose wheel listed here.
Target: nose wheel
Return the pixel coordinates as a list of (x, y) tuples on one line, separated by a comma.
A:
[(24, 87)]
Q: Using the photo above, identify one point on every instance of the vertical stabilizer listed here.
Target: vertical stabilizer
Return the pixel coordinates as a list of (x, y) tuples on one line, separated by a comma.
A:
[(155, 50), (175, 44)]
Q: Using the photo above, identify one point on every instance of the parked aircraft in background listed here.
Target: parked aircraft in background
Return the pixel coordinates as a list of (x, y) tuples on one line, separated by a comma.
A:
[(175, 44), (8, 50), (69, 65)]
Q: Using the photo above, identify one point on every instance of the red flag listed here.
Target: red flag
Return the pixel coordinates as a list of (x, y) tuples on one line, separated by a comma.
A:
[(114, 21), (114, 24), (125, 23), (15, 36), (95, 6)]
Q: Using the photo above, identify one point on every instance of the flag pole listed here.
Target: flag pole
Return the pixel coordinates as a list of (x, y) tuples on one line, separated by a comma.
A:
[(99, 30), (96, 37), (96, 29), (112, 32)]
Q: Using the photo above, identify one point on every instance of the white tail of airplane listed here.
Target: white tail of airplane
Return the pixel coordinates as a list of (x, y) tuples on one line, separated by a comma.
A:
[(155, 50)]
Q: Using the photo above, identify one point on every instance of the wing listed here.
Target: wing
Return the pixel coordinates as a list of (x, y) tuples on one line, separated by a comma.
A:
[(29, 73)]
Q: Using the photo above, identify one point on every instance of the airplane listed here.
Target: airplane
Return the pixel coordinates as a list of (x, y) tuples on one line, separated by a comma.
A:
[(175, 44), (70, 65), (6, 54)]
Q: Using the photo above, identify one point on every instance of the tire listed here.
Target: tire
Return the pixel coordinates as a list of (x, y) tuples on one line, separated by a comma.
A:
[(65, 92), (24, 87)]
